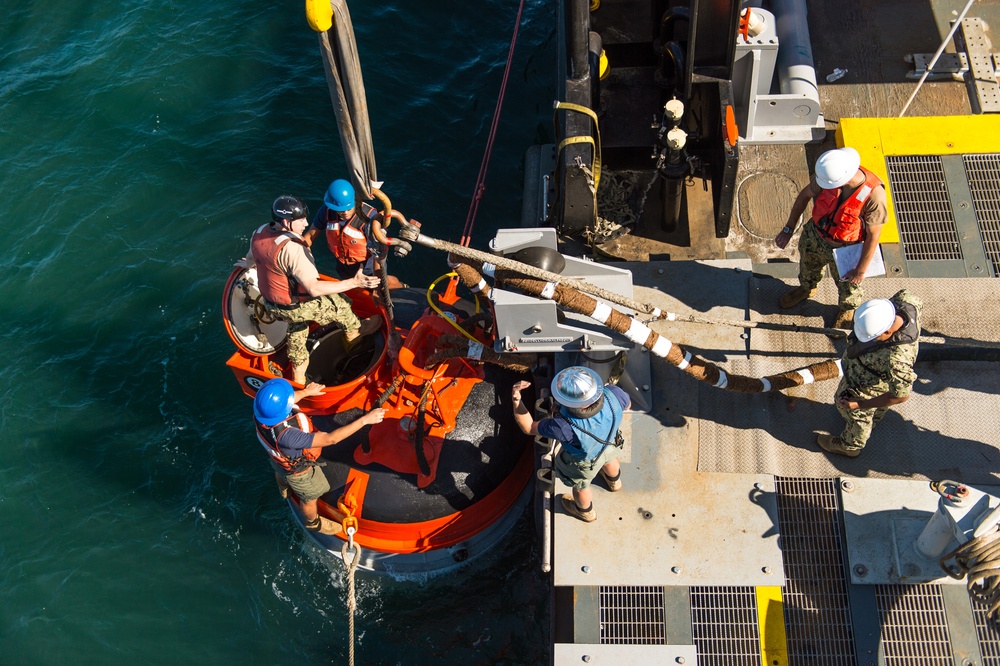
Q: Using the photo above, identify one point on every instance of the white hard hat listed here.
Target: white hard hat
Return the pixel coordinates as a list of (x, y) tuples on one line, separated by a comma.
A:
[(577, 387), (835, 167), (873, 318)]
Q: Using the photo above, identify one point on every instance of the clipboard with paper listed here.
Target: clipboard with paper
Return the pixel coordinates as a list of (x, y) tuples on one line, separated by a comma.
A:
[(847, 258)]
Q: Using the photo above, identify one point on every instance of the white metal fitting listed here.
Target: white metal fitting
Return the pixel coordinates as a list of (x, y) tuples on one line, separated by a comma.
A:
[(674, 109), (676, 138)]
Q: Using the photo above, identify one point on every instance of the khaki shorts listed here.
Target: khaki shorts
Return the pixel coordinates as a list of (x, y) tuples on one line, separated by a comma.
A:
[(309, 485), (579, 473)]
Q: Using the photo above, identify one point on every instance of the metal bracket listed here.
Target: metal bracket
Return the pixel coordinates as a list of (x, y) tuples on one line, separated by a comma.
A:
[(948, 66), (981, 80)]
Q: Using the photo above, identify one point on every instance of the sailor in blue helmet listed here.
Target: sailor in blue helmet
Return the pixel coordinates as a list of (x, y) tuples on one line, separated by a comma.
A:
[(294, 447), (345, 223), (588, 424)]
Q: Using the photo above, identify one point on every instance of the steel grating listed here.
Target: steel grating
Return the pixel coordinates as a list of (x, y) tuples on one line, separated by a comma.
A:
[(914, 626), (632, 615), (989, 636), (983, 172), (817, 608), (923, 208), (724, 626)]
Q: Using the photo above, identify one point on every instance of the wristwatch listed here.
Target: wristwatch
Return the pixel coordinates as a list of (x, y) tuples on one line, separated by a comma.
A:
[(787, 229)]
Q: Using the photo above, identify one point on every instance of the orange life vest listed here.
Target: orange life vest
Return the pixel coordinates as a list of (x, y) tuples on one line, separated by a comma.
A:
[(346, 238), (843, 223), (275, 285), (268, 438)]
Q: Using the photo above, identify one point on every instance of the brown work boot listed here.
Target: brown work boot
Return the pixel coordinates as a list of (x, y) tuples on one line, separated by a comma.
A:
[(369, 326), (614, 483), (795, 296), (845, 318), (572, 509), (835, 445), (324, 526)]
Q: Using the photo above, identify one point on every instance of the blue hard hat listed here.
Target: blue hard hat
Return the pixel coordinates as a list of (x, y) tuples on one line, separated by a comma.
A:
[(339, 196), (273, 402)]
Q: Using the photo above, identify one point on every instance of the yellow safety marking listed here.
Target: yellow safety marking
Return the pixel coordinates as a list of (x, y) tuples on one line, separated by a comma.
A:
[(771, 624), (874, 138)]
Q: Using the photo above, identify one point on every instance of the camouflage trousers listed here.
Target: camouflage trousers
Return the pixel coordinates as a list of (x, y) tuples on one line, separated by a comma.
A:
[(858, 423), (814, 256), (323, 310)]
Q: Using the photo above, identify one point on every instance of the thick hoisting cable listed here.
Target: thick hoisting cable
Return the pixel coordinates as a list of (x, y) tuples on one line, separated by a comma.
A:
[(488, 263), (342, 67), (639, 333), (477, 193)]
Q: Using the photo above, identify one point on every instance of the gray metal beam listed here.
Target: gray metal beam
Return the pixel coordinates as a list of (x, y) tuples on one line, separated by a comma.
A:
[(964, 212)]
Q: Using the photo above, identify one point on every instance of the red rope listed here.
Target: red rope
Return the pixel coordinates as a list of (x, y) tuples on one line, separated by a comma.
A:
[(480, 188)]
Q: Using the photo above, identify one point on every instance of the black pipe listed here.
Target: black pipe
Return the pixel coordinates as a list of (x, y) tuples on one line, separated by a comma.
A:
[(578, 37), (594, 56)]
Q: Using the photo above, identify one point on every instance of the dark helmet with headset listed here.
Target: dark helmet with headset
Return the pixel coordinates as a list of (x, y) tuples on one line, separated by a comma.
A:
[(287, 207)]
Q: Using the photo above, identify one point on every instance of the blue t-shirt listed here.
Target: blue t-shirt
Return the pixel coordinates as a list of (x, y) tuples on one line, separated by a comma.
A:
[(559, 428), (319, 221), (292, 441)]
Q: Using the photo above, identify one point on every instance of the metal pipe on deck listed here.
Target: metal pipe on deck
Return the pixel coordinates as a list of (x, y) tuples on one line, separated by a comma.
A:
[(796, 71)]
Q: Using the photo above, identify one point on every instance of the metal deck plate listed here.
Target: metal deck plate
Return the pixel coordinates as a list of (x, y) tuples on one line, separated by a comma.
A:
[(881, 535), (664, 536), (569, 654), (817, 608), (901, 608), (951, 422), (982, 79), (984, 184)]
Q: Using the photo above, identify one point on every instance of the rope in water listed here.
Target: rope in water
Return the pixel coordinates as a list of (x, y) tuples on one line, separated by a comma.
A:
[(352, 605), (480, 188)]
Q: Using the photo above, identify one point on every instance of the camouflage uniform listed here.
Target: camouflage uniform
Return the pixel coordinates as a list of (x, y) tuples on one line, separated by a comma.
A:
[(888, 368), (323, 310), (815, 254)]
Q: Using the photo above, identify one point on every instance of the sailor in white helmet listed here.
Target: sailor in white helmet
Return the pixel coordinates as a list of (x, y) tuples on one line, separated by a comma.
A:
[(588, 425), (848, 208), (878, 368)]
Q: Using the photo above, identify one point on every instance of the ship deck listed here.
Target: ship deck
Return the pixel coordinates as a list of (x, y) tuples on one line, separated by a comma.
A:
[(727, 495), (736, 540)]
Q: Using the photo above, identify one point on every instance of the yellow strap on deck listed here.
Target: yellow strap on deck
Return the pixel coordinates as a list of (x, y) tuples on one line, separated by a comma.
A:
[(771, 623), (595, 141)]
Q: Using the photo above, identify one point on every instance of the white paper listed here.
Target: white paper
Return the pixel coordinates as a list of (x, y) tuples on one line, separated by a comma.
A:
[(847, 259)]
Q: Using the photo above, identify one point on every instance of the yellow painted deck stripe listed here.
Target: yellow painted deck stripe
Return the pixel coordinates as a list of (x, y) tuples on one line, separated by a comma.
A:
[(874, 138), (771, 623)]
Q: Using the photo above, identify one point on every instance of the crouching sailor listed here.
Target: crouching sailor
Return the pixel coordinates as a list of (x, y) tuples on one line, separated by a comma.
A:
[(293, 447), (587, 424), (878, 368)]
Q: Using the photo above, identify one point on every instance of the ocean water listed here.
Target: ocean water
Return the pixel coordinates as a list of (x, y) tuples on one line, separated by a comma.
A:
[(140, 144)]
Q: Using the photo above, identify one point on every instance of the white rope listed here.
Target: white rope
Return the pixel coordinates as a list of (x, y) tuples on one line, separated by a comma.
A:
[(980, 559), (352, 566)]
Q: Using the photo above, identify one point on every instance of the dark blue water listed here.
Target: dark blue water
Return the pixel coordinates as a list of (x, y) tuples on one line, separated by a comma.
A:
[(140, 144)]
